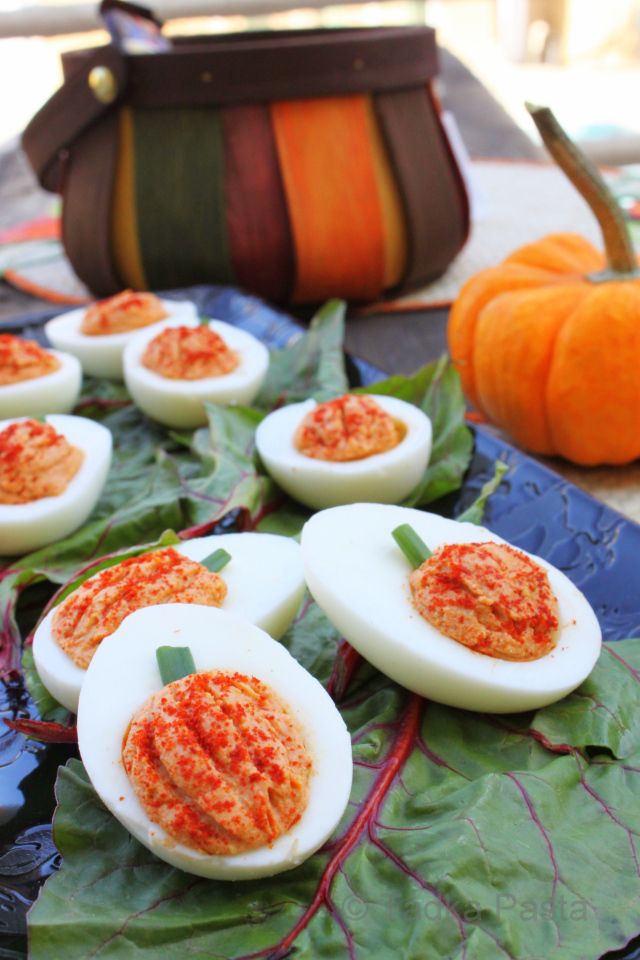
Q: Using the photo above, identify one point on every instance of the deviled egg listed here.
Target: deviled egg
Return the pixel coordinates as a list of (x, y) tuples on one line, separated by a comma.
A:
[(97, 335), (51, 475), (356, 447), (172, 370), (35, 381), (262, 581), (270, 769), (362, 580)]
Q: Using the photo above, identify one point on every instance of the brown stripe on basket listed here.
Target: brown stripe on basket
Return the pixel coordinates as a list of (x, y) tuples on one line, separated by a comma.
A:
[(86, 215), (179, 178), (255, 207), (434, 199)]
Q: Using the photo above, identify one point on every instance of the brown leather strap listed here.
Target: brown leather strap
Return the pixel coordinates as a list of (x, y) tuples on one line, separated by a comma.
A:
[(68, 113), (229, 69), (433, 193), (86, 215), (248, 69)]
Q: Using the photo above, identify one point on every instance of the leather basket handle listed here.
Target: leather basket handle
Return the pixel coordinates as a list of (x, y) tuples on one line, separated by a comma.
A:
[(93, 88)]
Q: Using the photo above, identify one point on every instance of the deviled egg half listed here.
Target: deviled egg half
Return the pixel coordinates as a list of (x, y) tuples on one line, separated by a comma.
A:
[(504, 606), (98, 334), (171, 371), (35, 381), (356, 447), (51, 476), (261, 580), (269, 765)]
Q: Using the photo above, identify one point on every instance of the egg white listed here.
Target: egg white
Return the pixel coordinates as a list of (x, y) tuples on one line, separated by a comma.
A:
[(180, 403), (264, 586), (55, 392), (360, 578), (381, 478), (28, 526), (101, 356), (123, 674)]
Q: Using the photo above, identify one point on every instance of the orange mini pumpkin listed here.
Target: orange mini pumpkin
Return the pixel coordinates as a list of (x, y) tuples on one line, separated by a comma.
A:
[(548, 343)]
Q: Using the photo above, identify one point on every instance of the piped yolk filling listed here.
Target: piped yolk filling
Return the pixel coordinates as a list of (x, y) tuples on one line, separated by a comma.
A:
[(351, 427), (120, 314), (23, 360), (217, 761), (35, 462), (489, 597), (189, 353), (100, 604)]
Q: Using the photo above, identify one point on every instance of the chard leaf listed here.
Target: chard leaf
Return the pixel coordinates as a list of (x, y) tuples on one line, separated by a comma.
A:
[(475, 511), (588, 718), (47, 706), (312, 366), (466, 836), (436, 389)]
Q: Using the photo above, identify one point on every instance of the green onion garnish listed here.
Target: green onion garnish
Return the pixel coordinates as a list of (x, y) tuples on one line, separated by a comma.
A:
[(415, 550), (216, 560), (174, 663)]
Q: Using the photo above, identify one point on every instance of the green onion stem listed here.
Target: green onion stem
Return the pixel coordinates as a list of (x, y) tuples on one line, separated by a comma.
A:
[(415, 550), (216, 560), (174, 663)]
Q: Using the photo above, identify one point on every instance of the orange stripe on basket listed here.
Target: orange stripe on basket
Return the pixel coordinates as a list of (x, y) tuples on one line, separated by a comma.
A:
[(395, 229), (330, 183), (125, 244)]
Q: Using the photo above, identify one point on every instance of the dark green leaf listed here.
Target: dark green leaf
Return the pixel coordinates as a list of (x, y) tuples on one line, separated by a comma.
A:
[(48, 708), (436, 389), (475, 511), (591, 717), (313, 366), (466, 836)]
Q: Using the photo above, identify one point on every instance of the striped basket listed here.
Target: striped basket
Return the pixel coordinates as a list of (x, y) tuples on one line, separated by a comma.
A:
[(296, 165)]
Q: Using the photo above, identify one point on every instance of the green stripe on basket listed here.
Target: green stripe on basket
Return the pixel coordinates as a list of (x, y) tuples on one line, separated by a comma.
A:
[(179, 176)]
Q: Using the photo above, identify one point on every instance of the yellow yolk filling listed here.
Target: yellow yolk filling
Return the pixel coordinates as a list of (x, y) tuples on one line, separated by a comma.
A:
[(35, 462), (189, 353), (123, 313), (99, 605), (351, 427), (23, 360), (489, 597), (216, 760)]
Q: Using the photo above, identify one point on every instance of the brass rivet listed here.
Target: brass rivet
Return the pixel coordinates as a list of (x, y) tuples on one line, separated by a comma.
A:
[(358, 64), (103, 84), (206, 77)]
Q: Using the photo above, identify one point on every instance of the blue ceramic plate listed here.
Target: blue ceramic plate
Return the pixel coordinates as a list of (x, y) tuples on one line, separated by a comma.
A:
[(534, 508)]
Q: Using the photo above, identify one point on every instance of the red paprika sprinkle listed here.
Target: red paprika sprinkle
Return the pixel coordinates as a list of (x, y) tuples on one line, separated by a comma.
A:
[(489, 597), (351, 427), (35, 461), (100, 604), (225, 770), (189, 353), (124, 312), (24, 360)]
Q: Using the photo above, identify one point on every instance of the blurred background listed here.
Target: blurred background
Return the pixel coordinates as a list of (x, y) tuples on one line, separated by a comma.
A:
[(582, 57)]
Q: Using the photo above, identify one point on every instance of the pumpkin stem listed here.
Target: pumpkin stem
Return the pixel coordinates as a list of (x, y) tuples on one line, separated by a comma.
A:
[(620, 253)]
